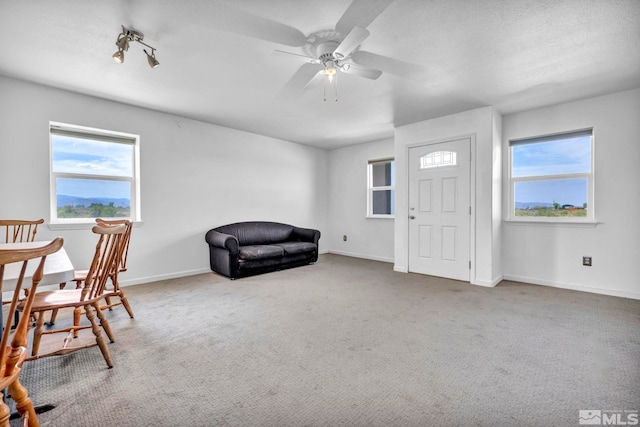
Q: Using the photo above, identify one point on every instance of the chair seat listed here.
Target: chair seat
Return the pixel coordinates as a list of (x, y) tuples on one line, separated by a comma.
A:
[(48, 300), (80, 275)]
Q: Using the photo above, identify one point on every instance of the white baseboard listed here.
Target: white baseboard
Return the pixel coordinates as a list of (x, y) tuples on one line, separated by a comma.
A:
[(535, 281), (356, 255), (149, 279), (488, 284)]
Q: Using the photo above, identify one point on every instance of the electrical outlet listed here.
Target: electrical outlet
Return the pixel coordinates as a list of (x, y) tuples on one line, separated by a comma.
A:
[(344, 238), (586, 260)]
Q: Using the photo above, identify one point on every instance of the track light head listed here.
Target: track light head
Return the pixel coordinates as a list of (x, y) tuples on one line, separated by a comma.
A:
[(118, 56), (153, 62), (123, 41)]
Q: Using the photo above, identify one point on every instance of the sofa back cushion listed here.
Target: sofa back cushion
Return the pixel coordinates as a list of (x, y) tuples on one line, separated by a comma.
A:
[(257, 232)]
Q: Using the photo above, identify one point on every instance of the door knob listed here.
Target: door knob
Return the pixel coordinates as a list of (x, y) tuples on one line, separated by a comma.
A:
[(412, 217)]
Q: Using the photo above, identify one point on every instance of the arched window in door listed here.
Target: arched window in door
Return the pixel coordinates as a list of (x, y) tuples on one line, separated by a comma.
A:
[(438, 159)]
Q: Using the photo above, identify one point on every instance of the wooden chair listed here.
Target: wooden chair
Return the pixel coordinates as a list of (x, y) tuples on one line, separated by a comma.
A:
[(87, 298), (81, 275), (18, 230), (121, 265), (13, 349)]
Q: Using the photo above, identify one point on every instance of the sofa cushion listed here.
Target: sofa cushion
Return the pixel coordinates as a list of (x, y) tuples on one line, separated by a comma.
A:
[(260, 251), (292, 248)]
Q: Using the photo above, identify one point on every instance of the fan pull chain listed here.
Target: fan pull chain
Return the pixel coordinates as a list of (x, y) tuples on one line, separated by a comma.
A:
[(333, 79)]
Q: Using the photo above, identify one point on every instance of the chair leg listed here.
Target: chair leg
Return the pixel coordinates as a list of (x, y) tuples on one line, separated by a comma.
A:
[(16, 319), (104, 322), (54, 314), (95, 328), (77, 315), (24, 405), (108, 300), (125, 302), (5, 413), (37, 334)]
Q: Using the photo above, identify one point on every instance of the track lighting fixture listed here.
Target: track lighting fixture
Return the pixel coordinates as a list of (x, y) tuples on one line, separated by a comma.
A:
[(123, 41)]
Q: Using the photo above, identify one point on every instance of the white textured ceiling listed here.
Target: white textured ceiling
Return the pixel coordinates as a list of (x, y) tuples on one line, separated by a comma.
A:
[(215, 65)]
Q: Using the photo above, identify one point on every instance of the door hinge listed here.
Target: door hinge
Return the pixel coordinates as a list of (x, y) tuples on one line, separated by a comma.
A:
[(469, 210), (469, 265)]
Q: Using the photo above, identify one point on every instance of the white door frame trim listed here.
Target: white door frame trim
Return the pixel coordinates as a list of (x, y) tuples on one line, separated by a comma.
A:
[(472, 195)]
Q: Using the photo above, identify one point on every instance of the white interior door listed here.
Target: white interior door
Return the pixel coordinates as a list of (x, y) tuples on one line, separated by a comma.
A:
[(439, 209)]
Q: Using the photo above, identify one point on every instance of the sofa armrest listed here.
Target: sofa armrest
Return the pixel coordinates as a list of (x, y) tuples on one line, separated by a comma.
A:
[(305, 235), (223, 241)]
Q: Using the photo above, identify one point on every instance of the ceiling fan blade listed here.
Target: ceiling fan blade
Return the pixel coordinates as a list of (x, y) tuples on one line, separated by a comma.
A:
[(352, 41), (361, 13), (315, 80), (296, 85), (389, 65), (369, 73), (225, 18), (299, 57)]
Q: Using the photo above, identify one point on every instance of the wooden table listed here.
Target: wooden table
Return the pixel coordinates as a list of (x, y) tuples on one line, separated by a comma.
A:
[(57, 268)]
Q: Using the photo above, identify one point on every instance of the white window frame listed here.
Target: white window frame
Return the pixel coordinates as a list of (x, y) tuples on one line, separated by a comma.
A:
[(589, 176), (56, 128), (371, 189)]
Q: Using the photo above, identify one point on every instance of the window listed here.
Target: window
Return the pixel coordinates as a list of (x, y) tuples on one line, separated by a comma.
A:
[(438, 159), (382, 193), (552, 178), (94, 174)]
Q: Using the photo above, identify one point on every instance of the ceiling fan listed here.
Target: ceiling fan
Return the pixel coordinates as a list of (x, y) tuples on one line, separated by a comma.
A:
[(325, 53)]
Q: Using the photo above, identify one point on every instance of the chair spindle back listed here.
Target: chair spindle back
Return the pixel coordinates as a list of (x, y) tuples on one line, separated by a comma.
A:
[(105, 259), (124, 249), (18, 230)]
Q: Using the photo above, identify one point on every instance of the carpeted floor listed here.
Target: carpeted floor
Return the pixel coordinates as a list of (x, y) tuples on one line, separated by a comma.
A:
[(349, 342)]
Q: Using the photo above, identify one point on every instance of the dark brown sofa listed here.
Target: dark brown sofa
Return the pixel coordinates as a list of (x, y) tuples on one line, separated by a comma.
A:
[(248, 248)]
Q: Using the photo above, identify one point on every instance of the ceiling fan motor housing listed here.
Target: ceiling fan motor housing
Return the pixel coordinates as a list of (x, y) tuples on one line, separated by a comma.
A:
[(324, 50)]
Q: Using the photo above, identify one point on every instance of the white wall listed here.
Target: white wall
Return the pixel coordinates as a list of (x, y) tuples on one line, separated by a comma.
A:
[(194, 176), (370, 238), (552, 254), (483, 126)]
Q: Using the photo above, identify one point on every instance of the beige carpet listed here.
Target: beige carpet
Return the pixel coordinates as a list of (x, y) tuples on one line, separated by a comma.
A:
[(349, 342)]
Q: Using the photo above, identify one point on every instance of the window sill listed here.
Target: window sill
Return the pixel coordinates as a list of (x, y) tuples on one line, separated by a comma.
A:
[(381, 217), (584, 224), (79, 225)]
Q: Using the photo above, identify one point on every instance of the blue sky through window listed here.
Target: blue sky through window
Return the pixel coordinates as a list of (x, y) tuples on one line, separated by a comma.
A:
[(76, 155), (558, 157), (562, 191)]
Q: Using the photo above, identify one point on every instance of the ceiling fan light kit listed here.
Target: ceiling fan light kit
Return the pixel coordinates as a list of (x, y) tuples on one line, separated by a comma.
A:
[(127, 36)]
